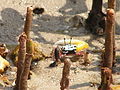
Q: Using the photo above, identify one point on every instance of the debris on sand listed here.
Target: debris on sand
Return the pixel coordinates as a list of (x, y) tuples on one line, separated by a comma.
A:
[(37, 53), (4, 81), (3, 50), (3, 64)]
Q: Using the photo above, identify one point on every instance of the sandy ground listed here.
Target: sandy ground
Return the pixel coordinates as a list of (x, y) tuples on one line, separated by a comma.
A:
[(50, 27)]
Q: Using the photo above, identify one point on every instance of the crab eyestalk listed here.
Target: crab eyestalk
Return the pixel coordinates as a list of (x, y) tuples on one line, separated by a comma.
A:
[(70, 40), (64, 41)]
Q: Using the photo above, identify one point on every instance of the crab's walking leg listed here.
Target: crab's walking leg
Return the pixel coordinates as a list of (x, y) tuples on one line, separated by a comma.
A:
[(86, 59)]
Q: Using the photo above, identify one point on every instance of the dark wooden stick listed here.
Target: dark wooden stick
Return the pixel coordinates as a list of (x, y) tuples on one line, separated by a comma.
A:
[(21, 59), (64, 83)]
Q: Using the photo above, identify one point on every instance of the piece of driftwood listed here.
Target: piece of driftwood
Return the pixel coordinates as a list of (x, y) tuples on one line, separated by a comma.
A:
[(27, 64), (21, 59), (108, 60), (64, 83), (106, 79)]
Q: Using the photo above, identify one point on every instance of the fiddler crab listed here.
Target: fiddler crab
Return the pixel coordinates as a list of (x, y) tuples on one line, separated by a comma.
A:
[(69, 48)]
